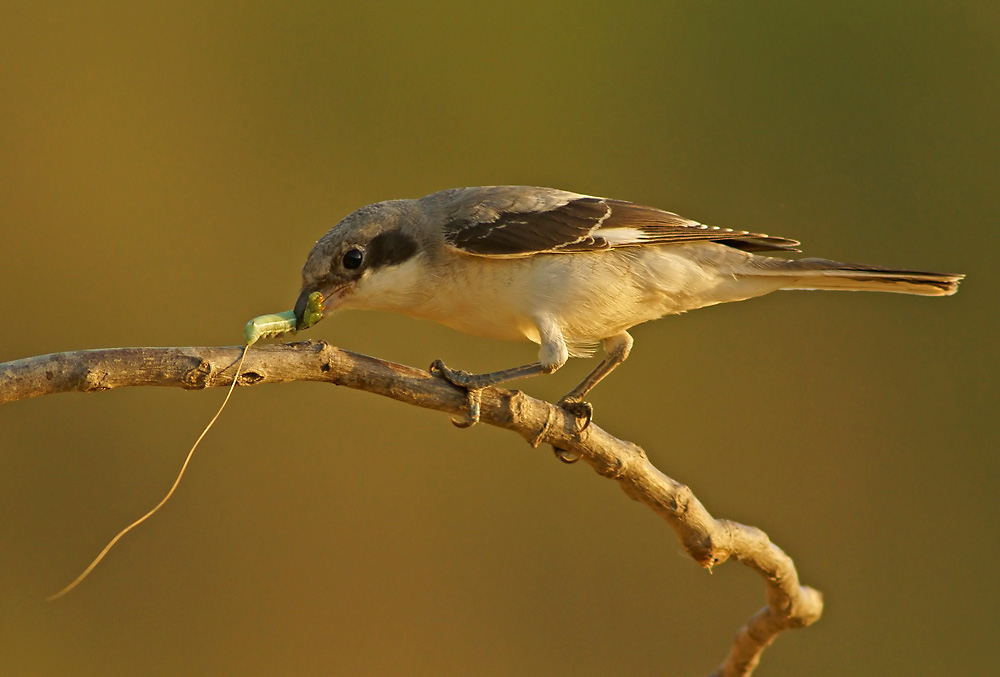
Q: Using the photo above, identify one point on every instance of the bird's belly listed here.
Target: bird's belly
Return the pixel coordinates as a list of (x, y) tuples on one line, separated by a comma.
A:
[(589, 296), (482, 305)]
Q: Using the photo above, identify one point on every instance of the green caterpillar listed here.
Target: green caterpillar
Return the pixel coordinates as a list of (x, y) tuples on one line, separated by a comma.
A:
[(276, 324)]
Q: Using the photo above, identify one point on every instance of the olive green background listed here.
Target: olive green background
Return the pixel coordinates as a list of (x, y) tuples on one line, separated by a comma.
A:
[(165, 168)]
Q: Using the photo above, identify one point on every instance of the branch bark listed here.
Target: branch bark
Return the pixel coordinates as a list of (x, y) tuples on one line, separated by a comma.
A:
[(707, 540)]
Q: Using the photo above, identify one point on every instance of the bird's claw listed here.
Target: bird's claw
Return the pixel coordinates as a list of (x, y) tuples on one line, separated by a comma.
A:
[(566, 456), (461, 379), (472, 417), (580, 410)]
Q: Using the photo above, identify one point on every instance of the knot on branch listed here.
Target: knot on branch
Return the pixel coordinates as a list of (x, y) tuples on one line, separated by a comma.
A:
[(613, 468), (709, 543), (682, 500), (94, 381), (197, 378), (807, 609), (706, 553), (249, 378)]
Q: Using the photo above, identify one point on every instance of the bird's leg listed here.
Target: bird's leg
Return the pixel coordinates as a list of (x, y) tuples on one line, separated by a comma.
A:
[(616, 350), (552, 355), (464, 379), (474, 383)]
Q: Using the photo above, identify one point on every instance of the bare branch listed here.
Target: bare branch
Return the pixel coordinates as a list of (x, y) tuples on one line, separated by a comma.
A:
[(708, 540)]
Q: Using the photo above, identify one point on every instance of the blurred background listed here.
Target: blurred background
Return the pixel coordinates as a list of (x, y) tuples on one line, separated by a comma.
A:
[(165, 168)]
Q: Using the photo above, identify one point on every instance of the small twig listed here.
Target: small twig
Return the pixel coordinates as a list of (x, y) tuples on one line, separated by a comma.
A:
[(707, 540)]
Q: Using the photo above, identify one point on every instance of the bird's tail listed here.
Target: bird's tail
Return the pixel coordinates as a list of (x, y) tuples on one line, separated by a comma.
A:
[(824, 274)]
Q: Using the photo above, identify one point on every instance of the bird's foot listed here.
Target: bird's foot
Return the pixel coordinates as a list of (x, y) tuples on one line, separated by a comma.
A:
[(580, 410), (469, 382)]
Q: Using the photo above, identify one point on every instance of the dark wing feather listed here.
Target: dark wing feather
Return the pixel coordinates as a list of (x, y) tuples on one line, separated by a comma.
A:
[(517, 232), (583, 223)]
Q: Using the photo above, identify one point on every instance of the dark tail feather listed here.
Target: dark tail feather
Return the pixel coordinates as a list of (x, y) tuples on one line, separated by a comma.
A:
[(824, 274)]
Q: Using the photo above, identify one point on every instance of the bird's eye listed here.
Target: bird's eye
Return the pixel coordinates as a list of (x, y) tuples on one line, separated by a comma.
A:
[(353, 258)]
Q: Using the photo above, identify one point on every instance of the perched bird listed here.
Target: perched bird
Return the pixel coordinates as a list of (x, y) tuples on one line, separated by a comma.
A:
[(561, 269)]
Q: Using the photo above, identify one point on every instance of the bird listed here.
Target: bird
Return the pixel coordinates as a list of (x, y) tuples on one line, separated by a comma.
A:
[(564, 270)]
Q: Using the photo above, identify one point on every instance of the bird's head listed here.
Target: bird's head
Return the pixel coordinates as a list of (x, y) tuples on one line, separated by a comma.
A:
[(343, 262)]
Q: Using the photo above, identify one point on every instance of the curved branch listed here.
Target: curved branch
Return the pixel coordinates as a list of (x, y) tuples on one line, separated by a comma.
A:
[(707, 540)]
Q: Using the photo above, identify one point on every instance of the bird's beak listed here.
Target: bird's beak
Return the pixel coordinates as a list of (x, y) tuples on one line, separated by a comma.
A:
[(313, 305), (302, 306)]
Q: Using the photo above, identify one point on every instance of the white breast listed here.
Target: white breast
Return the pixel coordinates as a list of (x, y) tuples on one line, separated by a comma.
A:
[(590, 295)]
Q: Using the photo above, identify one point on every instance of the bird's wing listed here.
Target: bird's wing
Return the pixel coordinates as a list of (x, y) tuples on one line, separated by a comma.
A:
[(511, 221)]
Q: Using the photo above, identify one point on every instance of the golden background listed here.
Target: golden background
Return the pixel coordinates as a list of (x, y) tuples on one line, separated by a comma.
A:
[(165, 168)]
